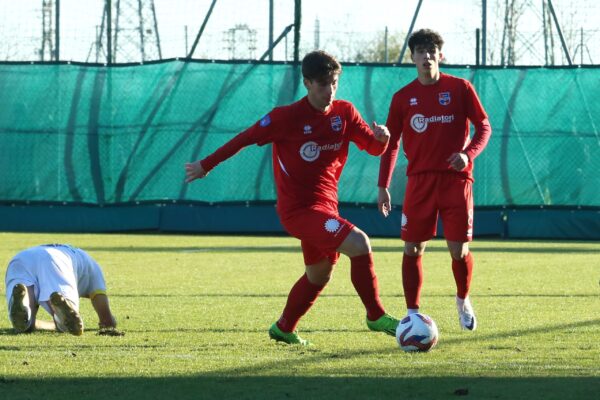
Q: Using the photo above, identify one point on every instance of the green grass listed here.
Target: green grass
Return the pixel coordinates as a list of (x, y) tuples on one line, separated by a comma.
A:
[(196, 310)]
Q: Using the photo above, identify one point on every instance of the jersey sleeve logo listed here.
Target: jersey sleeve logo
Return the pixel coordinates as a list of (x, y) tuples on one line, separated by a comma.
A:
[(336, 123), (444, 98), (265, 121)]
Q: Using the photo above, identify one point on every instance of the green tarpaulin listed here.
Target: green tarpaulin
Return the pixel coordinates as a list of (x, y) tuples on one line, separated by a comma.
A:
[(99, 135)]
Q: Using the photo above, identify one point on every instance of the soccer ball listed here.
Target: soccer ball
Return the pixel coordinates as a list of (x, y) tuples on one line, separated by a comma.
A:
[(417, 332)]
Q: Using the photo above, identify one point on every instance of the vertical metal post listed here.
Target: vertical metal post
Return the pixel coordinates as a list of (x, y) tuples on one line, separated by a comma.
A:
[(385, 45), (412, 25), (185, 32), (545, 29), (109, 31), (581, 46), (483, 32), (57, 32), (297, 21), (117, 34), (317, 44), (477, 39), (141, 29), (271, 7)]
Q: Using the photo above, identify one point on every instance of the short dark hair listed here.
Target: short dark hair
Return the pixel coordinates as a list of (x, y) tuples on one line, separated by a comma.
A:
[(319, 65), (425, 37)]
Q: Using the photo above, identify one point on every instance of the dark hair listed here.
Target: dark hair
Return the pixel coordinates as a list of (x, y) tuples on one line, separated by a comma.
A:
[(319, 65), (425, 37)]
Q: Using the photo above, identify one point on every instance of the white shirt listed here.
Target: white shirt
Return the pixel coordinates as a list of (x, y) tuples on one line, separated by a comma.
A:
[(55, 268)]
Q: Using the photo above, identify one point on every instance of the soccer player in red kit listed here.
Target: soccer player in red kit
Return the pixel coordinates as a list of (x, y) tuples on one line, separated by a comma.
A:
[(310, 146), (432, 115)]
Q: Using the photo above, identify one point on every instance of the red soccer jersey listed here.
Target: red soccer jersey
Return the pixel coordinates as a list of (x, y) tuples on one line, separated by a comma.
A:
[(433, 121), (310, 149)]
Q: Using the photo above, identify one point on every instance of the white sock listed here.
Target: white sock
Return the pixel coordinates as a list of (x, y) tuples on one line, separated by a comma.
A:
[(461, 303)]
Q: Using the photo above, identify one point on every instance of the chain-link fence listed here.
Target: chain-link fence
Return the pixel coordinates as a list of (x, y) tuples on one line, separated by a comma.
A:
[(97, 135), (518, 32)]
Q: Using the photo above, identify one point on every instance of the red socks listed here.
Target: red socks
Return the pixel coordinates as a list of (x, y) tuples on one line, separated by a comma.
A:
[(304, 293), (364, 280), (412, 280), (463, 270), (300, 300)]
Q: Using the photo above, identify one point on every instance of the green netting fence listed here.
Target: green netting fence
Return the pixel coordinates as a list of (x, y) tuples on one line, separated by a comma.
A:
[(110, 135)]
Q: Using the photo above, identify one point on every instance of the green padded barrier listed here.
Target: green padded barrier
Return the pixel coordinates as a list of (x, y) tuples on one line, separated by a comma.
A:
[(89, 134)]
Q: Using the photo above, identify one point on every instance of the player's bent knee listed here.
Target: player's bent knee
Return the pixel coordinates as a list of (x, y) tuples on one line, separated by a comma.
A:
[(356, 244), (459, 255), (319, 274), (414, 249), (458, 250)]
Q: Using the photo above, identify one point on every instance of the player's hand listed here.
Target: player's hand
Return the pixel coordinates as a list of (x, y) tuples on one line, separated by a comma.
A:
[(458, 161), (381, 133), (384, 201), (110, 331), (194, 171)]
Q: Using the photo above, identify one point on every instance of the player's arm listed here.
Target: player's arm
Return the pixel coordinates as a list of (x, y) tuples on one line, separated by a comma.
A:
[(194, 171), (374, 141), (42, 325), (381, 134), (260, 133), (483, 131), (106, 319), (388, 159), (39, 324)]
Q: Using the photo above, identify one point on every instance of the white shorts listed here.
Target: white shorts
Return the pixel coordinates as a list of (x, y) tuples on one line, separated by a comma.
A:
[(54, 268)]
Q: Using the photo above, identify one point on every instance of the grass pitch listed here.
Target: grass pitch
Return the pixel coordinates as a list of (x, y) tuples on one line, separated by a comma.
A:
[(196, 309)]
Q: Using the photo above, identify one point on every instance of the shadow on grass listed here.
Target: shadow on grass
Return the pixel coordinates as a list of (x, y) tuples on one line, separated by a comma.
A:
[(349, 295), (296, 249), (197, 249), (470, 336), (224, 386)]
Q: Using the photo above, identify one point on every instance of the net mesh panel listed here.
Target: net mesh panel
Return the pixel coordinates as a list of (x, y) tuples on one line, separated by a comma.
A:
[(97, 135)]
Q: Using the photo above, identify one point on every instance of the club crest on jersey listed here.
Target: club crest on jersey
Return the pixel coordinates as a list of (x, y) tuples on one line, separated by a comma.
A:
[(336, 123), (265, 121), (444, 98)]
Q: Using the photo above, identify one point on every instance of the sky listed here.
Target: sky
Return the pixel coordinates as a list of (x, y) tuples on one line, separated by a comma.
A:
[(343, 30)]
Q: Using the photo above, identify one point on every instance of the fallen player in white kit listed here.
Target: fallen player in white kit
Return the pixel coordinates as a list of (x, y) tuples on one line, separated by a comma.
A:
[(55, 276)]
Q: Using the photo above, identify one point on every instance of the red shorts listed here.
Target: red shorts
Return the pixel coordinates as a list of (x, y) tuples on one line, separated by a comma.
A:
[(320, 233), (429, 194)]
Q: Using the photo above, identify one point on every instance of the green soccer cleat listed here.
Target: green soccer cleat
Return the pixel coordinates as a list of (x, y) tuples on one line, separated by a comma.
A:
[(67, 319), (287, 337), (386, 324), (20, 312)]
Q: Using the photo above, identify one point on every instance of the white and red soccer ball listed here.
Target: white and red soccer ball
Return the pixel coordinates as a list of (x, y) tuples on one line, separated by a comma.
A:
[(417, 332)]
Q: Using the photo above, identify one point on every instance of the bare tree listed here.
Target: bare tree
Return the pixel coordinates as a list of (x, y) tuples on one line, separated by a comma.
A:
[(513, 10), (377, 48)]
